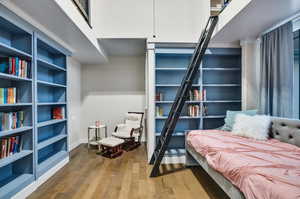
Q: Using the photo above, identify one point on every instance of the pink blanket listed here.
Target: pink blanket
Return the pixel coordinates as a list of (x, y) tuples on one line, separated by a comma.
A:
[(260, 169)]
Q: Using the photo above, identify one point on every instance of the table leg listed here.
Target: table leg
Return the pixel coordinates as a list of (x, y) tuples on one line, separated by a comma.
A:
[(88, 138), (106, 131)]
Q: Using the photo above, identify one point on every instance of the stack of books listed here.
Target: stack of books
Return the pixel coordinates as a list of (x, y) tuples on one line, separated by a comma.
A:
[(8, 95), (10, 146), (194, 110), (197, 95), (159, 96), (15, 66), (11, 120), (58, 113), (159, 111)]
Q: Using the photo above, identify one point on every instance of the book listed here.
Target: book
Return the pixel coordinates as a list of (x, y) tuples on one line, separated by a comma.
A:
[(193, 110), (11, 120), (8, 95), (10, 146), (58, 113)]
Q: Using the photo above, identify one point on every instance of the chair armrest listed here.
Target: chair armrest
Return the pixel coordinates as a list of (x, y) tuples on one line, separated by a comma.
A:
[(119, 126)]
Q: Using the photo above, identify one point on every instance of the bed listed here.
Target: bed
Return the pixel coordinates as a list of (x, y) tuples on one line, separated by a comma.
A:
[(283, 130)]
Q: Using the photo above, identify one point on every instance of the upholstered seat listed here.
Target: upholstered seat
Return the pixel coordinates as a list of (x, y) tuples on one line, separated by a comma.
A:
[(131, 130), (111, 141)]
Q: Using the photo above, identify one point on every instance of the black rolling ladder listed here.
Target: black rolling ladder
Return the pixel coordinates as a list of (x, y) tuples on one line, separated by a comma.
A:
[(181, 95)]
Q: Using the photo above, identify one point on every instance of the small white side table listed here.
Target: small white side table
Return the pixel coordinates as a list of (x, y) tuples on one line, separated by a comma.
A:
[(97, 131)]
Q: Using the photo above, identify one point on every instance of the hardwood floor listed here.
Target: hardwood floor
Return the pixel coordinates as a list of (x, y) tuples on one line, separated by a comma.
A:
[(89, 175)]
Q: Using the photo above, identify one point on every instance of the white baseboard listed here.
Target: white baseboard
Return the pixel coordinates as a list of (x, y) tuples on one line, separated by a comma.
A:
[(74, 145), (24, 193)]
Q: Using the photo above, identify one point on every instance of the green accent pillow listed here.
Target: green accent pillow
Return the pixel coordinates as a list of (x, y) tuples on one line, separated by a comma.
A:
[(230, 118)]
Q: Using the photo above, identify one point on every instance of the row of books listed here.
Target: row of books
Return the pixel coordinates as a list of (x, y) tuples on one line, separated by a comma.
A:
[(194, 110), (10, 146), (194, 95), (197, 95), (8, 95), (15, 66), (11, 120), (58, 113)]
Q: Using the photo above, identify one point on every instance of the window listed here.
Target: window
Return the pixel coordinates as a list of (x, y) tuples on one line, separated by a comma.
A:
[(84, 8)]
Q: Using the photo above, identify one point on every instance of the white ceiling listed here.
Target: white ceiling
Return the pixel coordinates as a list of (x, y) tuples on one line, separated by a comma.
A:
[(123, 46), (49, 15), (255, 18)]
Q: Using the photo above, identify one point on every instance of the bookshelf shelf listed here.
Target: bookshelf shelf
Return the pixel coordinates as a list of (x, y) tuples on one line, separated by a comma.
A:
[(174, 85), (15, 131), (48, 163), (50, 141), (221, 69), (13, 77), (44, 83), (222, 101), (14, 157), (174, 134), (46, 64), (220, 85), (214, 116), (14, 184), (51, 103), (181, 117), (170, 102), (11, 51), (16, 104), (175, 152), (219, 75), (50, 122)]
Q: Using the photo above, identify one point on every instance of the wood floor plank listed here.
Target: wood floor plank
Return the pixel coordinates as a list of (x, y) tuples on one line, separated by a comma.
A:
[(91, 176)]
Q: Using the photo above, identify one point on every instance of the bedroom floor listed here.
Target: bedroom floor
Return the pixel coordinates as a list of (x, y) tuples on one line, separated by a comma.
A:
[(89, 175)]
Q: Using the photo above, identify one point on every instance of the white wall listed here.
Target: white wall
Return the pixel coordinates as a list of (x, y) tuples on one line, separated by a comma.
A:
[(74, 100), (110, 90), (250, 74), (172, 21)]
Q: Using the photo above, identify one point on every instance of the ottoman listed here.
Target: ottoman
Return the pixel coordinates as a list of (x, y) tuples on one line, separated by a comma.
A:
[(111, 147)]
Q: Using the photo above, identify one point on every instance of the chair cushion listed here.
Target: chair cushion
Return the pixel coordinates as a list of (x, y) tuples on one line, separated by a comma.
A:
[(121, 134), (111, 141)]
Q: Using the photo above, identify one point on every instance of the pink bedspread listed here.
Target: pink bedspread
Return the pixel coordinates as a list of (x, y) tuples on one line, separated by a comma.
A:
[(260, 169)]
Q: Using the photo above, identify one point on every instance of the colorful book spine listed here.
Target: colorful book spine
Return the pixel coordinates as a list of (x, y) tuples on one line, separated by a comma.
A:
[(10, 146), (15, 66), (11, 120), (8, 95), (58, 113)]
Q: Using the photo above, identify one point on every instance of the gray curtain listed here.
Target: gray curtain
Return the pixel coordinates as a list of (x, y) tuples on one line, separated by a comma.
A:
[(276, 72)]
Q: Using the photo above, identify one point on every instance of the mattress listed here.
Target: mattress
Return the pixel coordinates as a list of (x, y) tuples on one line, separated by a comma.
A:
[(260, 169)]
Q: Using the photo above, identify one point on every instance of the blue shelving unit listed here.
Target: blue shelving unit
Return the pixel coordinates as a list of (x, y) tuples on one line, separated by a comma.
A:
[(51, 89), (219, 75), (44, 139), (17, 170)]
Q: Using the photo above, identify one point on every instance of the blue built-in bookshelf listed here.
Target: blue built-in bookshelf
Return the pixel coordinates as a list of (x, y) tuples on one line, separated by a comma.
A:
[(42, 140), (51, 84), (217, 89)]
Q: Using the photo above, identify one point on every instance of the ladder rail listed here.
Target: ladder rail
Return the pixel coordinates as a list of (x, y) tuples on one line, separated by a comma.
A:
[(181, 95), (170, 116)]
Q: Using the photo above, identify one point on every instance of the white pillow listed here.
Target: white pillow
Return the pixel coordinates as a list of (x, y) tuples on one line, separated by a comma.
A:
[(256, 127)]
